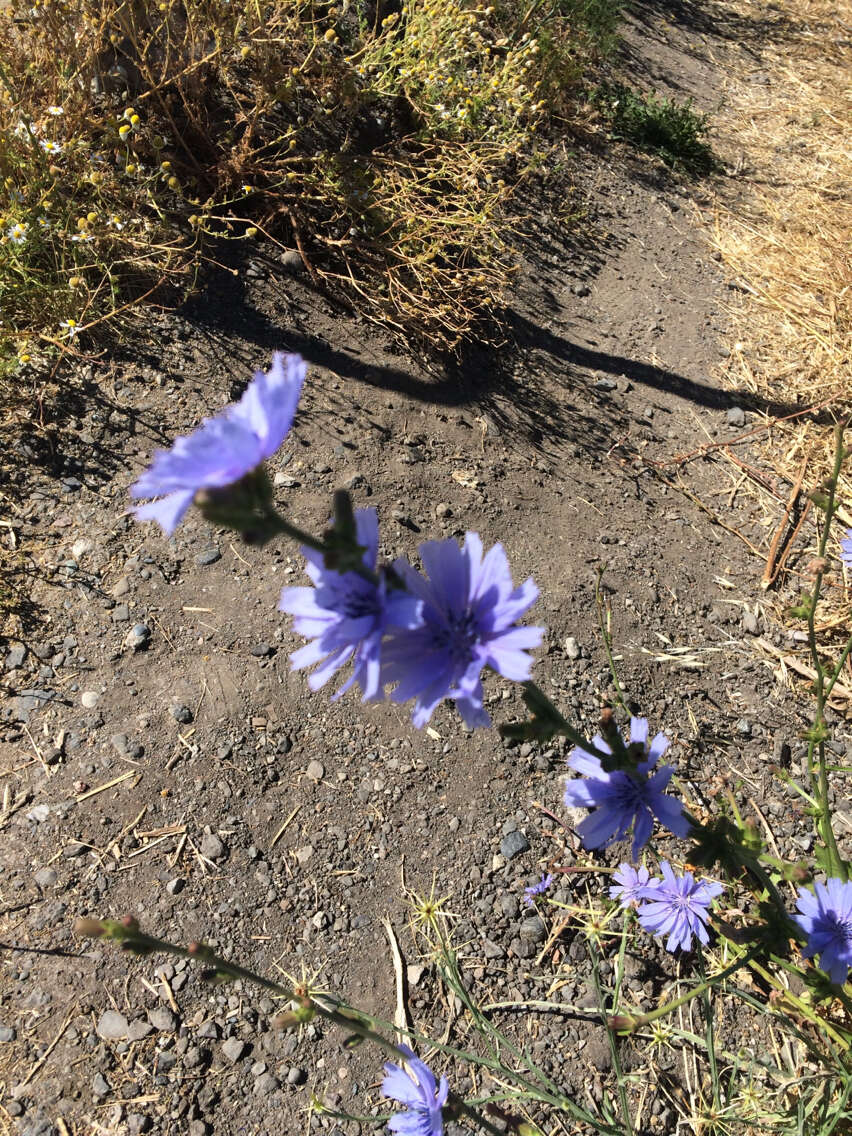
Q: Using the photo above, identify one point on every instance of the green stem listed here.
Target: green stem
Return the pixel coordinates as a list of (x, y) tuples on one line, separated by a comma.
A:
[(131, 938), (710, 1038), (714, 980), (610, 1033), (604, 618), (816, 742)]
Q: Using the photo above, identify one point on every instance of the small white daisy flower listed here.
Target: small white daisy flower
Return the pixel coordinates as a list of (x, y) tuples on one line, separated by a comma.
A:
[(50, 147), (17, 233), (114, 222), (70, 327), (56, 110)]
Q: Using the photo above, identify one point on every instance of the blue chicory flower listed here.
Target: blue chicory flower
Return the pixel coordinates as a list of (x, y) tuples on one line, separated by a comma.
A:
[(677, 907), (469, 609), (826, 919), (345, 615), (537, 889), (630, 884), (846, 549), (415, 1087), (225, 448), (621, 800)]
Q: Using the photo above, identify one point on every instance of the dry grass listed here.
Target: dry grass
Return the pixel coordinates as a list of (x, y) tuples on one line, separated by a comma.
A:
[(784, 233), (383, 148)]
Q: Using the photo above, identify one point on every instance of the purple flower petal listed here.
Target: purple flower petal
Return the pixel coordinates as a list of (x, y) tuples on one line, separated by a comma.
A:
[(223, 449), (469, 608), (826, 919), (415, 1087), (677, 907), (623, 800), (346, 615)]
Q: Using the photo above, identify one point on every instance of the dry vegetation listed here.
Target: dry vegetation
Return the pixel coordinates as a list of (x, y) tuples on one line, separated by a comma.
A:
[(784, 233), (381, 144)]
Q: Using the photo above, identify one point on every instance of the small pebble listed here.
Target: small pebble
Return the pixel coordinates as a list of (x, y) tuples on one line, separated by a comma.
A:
[(234, 1048), (315, 771), (112, 1026), (89, 699), (138, 636), (513, 844), (212, 847), (208, 556)]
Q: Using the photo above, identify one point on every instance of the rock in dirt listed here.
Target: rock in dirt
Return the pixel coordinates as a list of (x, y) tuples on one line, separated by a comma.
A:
[(315, 771), (89, 699), (112, 1026), (212, 847), (163, 1019), (513, 844), (208, 556), (736, 416), (138, 636), (572, 648), (234, 1048)]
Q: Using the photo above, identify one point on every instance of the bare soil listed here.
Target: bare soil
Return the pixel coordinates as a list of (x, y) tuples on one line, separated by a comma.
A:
[(197, 784)]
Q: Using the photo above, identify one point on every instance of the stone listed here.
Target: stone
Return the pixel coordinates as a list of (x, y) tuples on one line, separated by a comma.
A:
[(533, 928), (182, 714), (45, 877), (39, 814), (112, 1026), (263, 650), (234, 1048), (212, 847), (89, 699), (163, 1019), (138, 636), (513, 844), (296, 1076), (100, 1085), (304, 854), (120, 613), (15, 658), (8, 1033), (572, 648), (208, 556), (292, 262), (139, 1029), (736, 416), (750, 623), (173, 887), (315, 771), (266, 1083), (137, 1123)]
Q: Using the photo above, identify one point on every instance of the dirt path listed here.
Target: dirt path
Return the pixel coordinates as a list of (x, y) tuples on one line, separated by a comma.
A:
[(200, 786)]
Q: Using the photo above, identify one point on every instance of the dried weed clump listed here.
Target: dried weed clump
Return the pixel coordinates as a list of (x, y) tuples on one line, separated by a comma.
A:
[(381, 147), (785, 233)]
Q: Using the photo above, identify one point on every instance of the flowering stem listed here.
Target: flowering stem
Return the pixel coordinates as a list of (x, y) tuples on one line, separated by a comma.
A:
[(561, 726), (706, 984), (604, 622), (128, 934), (710, 1035), (610, 1033), (278, 525), (818, 732)]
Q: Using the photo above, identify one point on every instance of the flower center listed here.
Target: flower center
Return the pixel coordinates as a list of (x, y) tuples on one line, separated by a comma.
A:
[(457, 635), (358, 605), (841, 930)]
